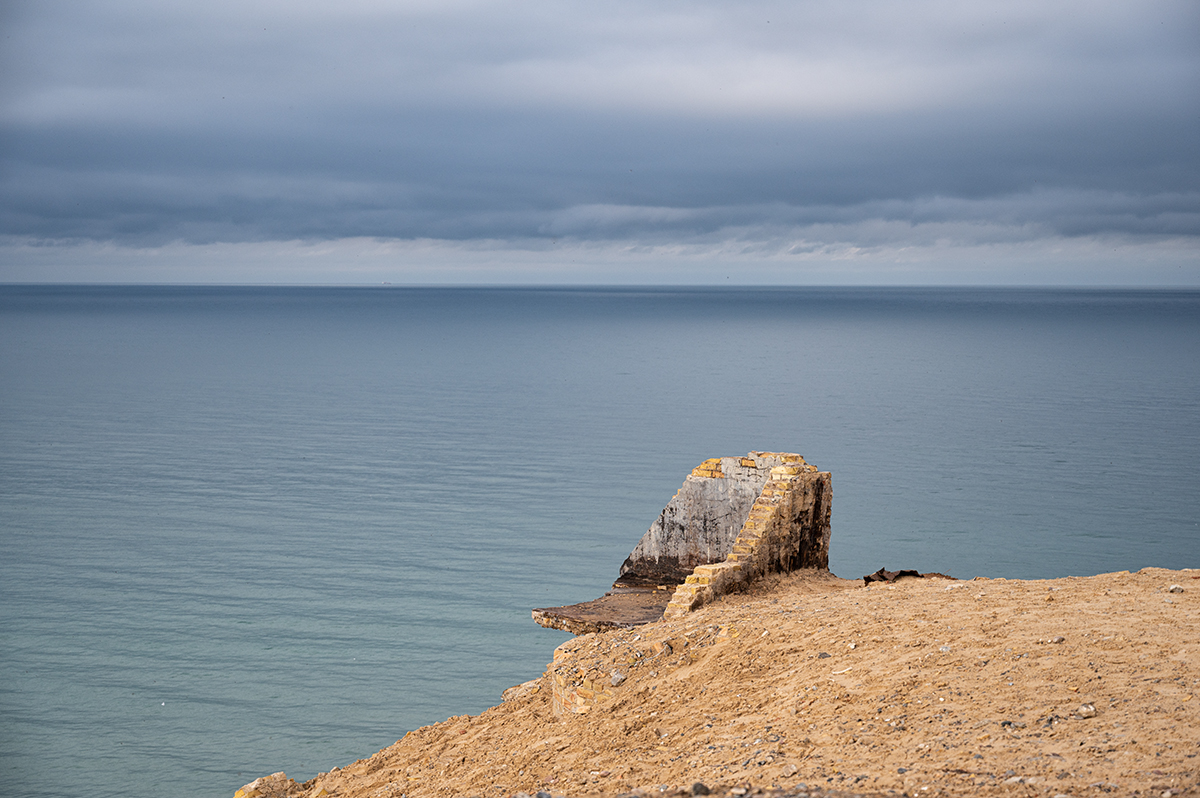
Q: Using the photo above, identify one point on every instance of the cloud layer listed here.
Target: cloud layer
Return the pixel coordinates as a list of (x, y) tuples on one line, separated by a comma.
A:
[(777, 127)]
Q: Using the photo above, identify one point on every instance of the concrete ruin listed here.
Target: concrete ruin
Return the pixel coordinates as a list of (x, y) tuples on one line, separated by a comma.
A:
[(733, 520)]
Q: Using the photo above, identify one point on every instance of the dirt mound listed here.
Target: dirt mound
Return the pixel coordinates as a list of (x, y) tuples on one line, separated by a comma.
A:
[(986, 687)]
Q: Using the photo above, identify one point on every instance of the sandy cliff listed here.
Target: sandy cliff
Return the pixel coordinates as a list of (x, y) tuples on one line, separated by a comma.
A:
[(1075, 686)]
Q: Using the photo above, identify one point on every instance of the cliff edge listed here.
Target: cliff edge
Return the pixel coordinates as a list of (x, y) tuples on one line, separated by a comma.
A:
[(806, 684)]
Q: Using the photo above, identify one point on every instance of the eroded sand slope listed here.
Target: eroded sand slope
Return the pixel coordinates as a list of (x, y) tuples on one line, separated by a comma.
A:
[(1075, 686)]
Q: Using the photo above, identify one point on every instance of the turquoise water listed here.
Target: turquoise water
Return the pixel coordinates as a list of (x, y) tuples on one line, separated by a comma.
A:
[(255, 529)]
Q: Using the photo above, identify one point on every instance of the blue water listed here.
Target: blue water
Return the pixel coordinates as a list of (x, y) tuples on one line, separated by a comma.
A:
[(255, 529)]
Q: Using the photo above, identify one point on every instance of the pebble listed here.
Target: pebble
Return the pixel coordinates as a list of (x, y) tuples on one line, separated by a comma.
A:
[(1175, 589), (1058, 639), (823, 655), (1087, 711), (543, 794), (617, 679), (699, 788)]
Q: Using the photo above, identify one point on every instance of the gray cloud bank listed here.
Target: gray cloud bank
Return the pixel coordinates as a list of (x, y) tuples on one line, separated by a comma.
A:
[(785, 126)]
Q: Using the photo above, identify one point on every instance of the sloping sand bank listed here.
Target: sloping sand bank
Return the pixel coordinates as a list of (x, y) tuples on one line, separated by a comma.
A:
[(1075, 686)]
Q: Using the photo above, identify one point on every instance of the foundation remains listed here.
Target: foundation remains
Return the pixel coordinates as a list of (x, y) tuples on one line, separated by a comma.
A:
[(733, 520)]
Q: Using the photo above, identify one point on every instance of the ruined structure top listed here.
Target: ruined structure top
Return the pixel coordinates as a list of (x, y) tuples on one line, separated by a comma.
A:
[(733, 520)]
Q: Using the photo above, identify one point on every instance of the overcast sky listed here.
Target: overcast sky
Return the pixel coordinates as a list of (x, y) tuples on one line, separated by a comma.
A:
[(848, 141)]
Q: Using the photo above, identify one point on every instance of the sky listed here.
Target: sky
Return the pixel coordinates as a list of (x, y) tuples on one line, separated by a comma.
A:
[(468, 141)]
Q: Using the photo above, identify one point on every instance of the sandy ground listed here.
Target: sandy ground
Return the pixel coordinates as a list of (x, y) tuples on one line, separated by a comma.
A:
[(1076, 686)]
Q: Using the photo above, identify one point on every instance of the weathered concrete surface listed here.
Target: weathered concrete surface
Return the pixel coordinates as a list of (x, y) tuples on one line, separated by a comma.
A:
[(619, 608), (701, 522), (733, 520), (787, 528)]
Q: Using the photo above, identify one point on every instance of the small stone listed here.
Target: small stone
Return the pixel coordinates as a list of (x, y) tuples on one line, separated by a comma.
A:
[(617, 679), (699, 788), (543, 794), (1175, 589), (1058, 639), (944, 649), (790, 770), (1014, 780), (901, 770), (1087, 711), (823, 655)]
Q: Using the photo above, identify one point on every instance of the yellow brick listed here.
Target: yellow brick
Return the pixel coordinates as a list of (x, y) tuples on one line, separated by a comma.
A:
[(748, 463)]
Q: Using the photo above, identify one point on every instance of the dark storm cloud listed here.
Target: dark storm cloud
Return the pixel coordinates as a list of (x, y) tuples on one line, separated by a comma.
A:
[(144, 123)]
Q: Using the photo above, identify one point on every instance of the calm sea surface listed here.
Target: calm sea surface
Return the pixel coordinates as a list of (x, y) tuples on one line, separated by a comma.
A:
[(255, 529)]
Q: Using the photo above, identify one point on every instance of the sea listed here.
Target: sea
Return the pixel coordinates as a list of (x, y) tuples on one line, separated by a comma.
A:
[(257, 529)]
